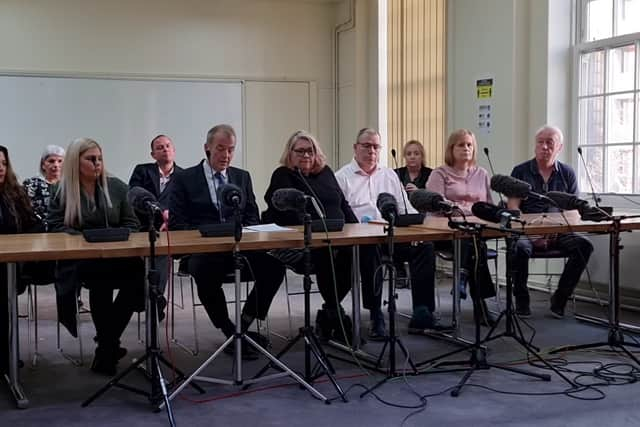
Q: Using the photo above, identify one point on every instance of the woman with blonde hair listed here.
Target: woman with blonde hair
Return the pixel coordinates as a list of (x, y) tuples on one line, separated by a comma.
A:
[(461, 181), (303, 167), (89, 198), (414, 174)]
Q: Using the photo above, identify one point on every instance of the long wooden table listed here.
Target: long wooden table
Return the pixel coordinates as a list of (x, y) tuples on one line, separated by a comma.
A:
[(61, 246)]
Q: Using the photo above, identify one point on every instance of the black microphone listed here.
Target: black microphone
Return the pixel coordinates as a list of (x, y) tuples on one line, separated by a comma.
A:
[(315, 200), (567, 201), (513, 187), (289, 199), (388, 207), (486, 153), (142, 200), (604, 209), (429, 201), (230, 195), (395, 163), (492, 213)]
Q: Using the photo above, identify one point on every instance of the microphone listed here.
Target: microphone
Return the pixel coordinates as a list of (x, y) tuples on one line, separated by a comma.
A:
[(315, 200), (429, 201), (395, 163), (388, 207), (289, 199), (492, 213), (596, 199), (486, 153), (567, 202), (513, 187), (230, 194), (143, 201)]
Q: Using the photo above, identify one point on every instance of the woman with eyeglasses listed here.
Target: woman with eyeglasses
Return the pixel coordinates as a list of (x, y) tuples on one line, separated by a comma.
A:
[(303, 167), (89, 198)]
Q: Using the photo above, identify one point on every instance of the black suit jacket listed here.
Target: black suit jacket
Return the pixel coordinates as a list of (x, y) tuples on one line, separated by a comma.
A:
[(190, 203), (147, 176)]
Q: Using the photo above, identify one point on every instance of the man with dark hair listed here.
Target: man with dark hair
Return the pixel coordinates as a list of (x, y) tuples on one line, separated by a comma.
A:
[(195, 201), (545, 173), (156, 177)]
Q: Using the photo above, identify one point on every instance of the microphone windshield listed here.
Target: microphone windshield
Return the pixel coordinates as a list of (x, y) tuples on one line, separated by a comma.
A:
[(140, 199), (487, 211), (429, 201), (566, 201), (510, 186), (387, 206), (580, 150), (288, 199), (393, 153), (230, 194), (486, 150)]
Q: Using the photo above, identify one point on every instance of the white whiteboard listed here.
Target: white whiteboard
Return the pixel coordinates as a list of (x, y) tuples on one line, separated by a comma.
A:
[(123, 115)]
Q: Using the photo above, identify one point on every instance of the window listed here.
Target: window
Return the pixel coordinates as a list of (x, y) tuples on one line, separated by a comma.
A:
[(608, 98)]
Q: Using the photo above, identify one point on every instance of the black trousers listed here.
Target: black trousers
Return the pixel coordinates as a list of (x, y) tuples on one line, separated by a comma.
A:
[(111, 316), (480, 280), (577, 248), (210, 272), (333, 294), (422, 266)]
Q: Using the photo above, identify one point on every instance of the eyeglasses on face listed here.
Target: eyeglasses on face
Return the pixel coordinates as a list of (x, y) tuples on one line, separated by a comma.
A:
[(368, 146), (304, 151)]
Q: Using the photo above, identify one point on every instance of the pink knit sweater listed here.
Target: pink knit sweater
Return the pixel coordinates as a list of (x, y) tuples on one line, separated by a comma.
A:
[(463, 190)]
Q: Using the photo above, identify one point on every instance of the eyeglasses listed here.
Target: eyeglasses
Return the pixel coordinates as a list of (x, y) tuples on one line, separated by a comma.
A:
[(304, 151), (367, 146)]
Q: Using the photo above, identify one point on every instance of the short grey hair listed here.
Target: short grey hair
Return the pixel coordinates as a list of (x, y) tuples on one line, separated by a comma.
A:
[(552, 129), (225, 129), (50, 150), (366, 132)]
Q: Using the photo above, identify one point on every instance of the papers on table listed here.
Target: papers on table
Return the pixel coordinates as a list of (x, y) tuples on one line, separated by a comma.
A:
[(266, 227)]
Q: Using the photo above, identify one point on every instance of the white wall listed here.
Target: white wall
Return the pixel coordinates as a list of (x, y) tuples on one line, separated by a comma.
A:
[(526, 46), (255, 40)]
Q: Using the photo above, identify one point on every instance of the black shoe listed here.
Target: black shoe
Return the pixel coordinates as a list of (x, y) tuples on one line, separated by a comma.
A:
[(557, 307), (323, 326), (377, 330), (424, 322), (524, 312), (487, 318), (105, 361), (248, 352)]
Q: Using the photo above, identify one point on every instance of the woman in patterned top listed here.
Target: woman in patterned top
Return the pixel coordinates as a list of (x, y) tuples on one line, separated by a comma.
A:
[(39, 187)]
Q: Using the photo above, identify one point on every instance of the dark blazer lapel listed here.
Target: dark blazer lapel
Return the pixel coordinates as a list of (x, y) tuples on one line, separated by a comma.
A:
[(155, 177), (202, 183)]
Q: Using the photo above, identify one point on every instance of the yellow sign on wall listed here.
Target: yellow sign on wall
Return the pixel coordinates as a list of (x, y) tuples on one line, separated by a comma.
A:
[(484, 88)]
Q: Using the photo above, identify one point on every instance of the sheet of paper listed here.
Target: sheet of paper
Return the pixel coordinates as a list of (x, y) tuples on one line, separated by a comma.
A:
[(268, 227)]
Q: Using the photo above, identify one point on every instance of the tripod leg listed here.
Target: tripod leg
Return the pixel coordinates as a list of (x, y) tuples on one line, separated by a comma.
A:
[(458, 388), (115, 380), (323, 361), (269, 365), (381, 355), (165, 396), (629, 354), (407, 356), (181, 374)]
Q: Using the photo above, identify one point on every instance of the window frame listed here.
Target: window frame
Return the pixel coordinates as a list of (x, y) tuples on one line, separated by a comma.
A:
[(580, 48)]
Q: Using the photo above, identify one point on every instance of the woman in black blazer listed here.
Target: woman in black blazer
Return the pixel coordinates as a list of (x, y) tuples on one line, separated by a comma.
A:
[(414, 174), (303, 167)]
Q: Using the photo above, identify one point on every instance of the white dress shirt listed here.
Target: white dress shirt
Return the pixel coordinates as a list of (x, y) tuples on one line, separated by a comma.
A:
[(212, 182), (361, 189)]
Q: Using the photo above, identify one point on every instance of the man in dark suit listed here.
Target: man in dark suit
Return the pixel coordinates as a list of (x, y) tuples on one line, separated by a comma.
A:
[(156, 178), (194, 201)]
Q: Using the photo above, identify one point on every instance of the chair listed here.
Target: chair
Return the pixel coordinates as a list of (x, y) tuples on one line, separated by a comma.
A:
[(492, 254), (184, 274)]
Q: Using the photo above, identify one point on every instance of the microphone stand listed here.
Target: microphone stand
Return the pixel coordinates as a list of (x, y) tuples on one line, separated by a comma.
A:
[(153, 354), (239, 335), (311, 341), (615, 338), (478, 358), (392, 340)]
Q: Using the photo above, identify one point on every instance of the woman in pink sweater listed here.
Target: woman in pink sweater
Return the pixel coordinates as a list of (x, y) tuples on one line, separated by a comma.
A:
[(463, 182)]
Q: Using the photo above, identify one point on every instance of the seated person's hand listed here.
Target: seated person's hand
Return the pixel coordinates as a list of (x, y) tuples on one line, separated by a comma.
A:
[(410, 188), (165, 220)]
